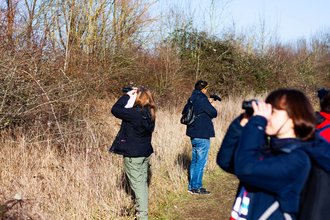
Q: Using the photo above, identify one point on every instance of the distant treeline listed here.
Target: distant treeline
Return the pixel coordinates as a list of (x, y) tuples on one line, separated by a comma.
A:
[(57, 59)]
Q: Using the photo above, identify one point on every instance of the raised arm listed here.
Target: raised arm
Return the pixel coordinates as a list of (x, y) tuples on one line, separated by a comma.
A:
[(225, 158), (119, 110), (268, 172), (208, 108)]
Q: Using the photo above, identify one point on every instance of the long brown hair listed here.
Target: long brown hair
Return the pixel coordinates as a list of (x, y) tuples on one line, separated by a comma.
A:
[(299, 109), (145, 98)]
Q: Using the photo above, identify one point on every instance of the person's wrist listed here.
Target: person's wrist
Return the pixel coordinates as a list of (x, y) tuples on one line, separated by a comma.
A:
[(244, 121)]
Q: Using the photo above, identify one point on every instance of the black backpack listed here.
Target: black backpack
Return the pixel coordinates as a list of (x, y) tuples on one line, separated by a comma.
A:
[(314, 201), (189, 117), (315, 197)]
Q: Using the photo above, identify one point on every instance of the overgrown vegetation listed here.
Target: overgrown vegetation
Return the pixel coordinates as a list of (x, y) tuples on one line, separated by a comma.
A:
[(61, 59), (57, 58)]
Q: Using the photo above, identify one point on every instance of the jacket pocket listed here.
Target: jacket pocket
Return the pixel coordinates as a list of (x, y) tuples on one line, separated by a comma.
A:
[(120, 146)]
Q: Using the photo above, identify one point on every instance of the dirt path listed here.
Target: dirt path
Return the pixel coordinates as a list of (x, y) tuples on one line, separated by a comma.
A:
[(215, 206)]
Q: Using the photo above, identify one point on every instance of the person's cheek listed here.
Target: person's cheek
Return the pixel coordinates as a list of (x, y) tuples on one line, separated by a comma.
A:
[(269, 128), (269, 131)]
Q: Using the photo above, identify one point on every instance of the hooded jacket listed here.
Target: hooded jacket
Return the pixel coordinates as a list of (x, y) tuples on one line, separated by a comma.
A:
[(326, 121), (276, 174), (134, 136), (203, 125)]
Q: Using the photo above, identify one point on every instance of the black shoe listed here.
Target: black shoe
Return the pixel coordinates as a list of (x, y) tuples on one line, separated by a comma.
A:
[(201, 191), (192, 192)]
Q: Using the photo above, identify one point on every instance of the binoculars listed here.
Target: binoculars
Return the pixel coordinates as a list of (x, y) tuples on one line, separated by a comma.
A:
[(247, 106), (127, 89)]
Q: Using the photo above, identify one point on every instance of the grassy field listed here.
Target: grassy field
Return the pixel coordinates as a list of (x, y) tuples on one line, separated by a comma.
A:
[(88, 182)]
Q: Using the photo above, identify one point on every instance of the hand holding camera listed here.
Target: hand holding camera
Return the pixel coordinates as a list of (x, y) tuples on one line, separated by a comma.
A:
[(215, 97)]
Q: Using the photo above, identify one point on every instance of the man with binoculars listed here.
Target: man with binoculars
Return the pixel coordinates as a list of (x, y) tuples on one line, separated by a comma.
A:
[(200, 132)]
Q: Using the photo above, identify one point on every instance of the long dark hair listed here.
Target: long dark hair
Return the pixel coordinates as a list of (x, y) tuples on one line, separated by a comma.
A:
[(299, 109), (145, 98)]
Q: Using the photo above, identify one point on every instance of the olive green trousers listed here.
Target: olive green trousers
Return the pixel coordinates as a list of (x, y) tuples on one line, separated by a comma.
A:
[(136, 169)]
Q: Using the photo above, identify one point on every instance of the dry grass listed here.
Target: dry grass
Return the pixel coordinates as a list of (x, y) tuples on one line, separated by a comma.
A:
[(88, 182)]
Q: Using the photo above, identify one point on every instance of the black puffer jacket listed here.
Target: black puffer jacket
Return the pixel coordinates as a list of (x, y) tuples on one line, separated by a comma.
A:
[(134, 136)]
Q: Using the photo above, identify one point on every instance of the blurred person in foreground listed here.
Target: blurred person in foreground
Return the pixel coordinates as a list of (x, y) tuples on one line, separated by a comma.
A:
[(323, 117), (200, 133), (133, 141), (270, 152)]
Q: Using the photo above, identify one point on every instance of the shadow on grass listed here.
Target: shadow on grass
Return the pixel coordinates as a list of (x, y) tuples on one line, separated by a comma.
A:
[(125, 184), (184, 160)]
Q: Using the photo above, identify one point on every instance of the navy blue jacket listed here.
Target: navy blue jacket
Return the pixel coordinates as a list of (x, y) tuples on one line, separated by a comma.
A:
[(276, 174), (203, 126), (134, 136)]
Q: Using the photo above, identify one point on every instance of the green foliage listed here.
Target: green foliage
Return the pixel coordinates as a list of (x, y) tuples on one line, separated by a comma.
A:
[(220, 62)]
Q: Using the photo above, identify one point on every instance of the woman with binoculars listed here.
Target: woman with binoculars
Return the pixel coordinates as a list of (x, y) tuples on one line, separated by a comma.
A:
[(133, 141), (271, 153)]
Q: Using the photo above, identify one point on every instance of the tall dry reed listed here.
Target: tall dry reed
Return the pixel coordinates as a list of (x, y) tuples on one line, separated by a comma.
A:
[(88, 182)]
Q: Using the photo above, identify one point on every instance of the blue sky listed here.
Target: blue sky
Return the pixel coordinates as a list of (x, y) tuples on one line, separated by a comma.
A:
[(295, 18)]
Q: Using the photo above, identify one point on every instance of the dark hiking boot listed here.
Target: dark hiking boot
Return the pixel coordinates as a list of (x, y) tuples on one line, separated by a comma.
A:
[(201, 191), (192, 192)]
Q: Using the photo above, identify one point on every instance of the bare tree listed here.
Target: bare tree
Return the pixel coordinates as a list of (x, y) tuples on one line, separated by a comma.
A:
[(214, 13), (266, 34)]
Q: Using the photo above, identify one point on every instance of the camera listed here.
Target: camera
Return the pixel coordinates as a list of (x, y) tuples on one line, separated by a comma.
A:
[(127, 89), (215, 97), (247, 106)]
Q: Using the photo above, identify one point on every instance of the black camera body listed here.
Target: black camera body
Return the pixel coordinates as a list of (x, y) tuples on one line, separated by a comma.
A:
[(247, 106), (215, 97), (127, 89)]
